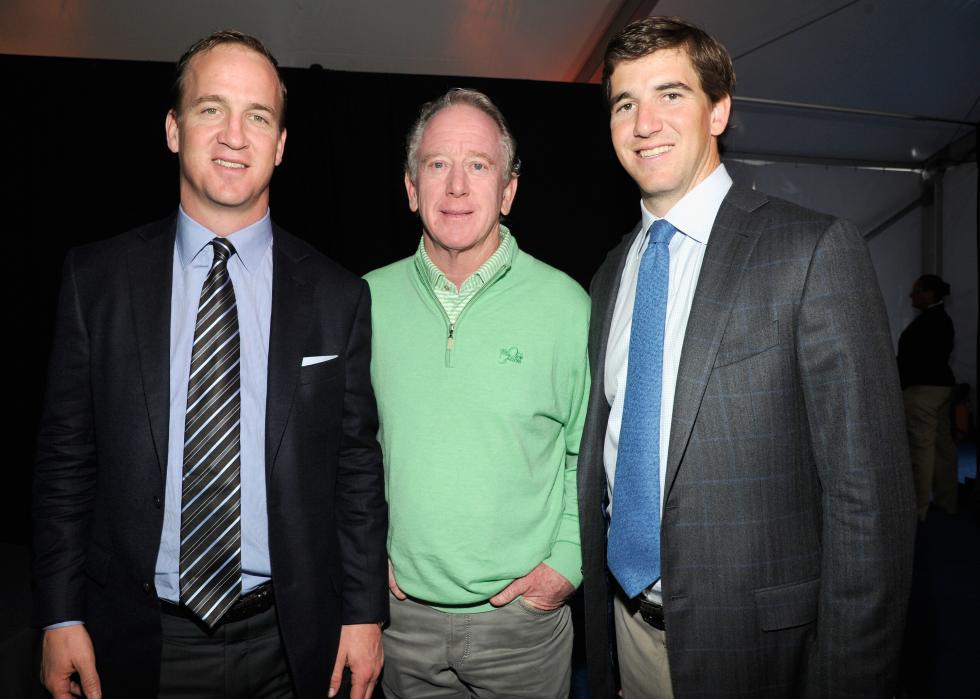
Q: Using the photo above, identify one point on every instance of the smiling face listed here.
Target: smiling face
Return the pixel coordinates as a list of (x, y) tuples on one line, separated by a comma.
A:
[(227, 136), (460, 191), (664, 127)]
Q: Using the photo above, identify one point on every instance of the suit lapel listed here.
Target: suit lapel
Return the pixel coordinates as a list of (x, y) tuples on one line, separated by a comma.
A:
[(604, 293), (732, 240), (150, 265), (291, 313), (604, 290)]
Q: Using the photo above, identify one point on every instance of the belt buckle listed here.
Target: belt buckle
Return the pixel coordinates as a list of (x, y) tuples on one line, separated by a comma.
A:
[(652, 613)]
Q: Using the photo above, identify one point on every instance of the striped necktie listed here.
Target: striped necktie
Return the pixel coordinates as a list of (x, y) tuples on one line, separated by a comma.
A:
[(634, 532), (210, 517)]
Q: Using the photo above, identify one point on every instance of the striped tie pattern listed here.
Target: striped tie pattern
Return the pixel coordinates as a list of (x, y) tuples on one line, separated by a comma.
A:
[(210, 517)]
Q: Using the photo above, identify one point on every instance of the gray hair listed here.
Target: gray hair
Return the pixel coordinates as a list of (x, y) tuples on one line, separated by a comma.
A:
[(472, 98)]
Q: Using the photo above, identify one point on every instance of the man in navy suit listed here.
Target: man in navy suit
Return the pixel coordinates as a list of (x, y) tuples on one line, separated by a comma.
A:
[(303, 516)]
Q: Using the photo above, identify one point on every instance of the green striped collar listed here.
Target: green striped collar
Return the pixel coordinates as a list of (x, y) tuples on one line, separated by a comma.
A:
[(437, 281)]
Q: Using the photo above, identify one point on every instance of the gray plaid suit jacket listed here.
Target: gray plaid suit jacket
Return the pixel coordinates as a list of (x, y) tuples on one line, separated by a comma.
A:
[(788, 518)]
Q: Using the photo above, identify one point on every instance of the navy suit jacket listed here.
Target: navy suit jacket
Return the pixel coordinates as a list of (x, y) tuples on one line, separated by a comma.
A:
[(102, 457)]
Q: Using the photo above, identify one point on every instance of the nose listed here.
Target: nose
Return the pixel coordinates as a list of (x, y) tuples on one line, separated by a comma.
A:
[(456, 184), (233, 135), (648, 121)]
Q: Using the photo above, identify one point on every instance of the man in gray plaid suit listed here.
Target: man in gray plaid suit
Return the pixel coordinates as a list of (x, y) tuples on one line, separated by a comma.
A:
[(761, 544)]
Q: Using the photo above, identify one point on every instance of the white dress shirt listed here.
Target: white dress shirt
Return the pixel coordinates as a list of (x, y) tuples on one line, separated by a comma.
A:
[(693, 217)]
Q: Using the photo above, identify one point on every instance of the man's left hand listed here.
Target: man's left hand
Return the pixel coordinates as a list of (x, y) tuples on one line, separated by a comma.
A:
[(543, 588), (360, 649)]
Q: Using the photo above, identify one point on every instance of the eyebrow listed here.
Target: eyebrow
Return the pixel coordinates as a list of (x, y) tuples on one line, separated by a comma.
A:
[(426, 157), (662, 87), (625, 94), (480, 154), (676, 85)]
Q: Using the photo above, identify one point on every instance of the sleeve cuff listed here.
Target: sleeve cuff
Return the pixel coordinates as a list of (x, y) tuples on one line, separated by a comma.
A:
[(566, 559)]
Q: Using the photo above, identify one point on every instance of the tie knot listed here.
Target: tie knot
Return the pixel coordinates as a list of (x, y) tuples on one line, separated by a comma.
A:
[(661, 231), (223, 249)]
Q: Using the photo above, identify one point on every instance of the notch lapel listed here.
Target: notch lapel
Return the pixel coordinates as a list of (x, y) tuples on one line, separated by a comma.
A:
[(732, 240), (291, 313), (604, 290), (604, 293), (150, 264)]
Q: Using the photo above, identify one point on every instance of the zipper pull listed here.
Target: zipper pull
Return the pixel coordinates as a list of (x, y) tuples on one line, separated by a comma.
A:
[(449, 340)]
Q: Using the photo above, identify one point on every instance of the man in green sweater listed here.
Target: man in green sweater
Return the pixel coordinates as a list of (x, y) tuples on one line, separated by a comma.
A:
[(480, 368)]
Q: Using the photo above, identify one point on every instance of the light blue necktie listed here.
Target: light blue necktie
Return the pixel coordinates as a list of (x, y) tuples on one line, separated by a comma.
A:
[(634, 533)]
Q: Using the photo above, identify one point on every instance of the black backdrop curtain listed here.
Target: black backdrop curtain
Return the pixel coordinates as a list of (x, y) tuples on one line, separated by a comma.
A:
[(88, 160)]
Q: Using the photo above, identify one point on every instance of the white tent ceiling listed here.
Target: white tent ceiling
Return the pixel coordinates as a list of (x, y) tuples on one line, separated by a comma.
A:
[(904, 57)]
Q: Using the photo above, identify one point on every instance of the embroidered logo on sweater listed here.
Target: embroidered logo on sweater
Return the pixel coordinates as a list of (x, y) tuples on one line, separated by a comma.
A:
[(511, 354)]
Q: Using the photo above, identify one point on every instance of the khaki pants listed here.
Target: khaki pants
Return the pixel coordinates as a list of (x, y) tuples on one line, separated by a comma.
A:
[(931, 443), (642, 652)]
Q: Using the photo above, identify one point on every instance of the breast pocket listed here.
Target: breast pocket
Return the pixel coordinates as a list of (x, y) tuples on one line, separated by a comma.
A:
[(744, 340), (327, 370)]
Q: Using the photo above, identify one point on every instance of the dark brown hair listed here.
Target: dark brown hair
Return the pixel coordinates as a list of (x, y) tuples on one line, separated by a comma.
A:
[(226, 36), (933, 284), (645, 36)]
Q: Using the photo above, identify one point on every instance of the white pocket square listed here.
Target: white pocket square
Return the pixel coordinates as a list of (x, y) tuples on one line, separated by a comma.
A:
[(307, 361)]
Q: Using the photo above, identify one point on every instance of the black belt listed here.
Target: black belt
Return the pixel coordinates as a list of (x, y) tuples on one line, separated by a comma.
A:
[(652, 613), (255, 602)]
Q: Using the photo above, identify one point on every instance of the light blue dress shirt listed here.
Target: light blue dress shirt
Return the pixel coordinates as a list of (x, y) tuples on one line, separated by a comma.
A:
[(250, 270)]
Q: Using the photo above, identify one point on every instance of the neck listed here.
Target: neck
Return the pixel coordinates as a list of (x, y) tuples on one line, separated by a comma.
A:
[(458, 265), (225, 221), (660, 203)]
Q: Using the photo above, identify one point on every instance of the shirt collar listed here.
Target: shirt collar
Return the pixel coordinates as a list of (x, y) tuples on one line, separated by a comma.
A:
[(501, 257), (251, 242), (695, 213)]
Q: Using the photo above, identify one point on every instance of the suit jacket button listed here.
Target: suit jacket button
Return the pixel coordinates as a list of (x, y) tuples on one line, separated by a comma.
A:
[(146, 587), (157, 501)]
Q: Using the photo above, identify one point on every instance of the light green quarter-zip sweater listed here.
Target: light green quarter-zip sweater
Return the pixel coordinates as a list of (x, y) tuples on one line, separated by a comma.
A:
[(480, 427)]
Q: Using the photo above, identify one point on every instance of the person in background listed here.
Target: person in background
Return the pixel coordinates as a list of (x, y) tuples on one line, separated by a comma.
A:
[(927, 380)]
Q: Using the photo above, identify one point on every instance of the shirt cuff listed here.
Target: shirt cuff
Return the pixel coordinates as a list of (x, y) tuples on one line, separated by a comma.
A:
[(62, 624)]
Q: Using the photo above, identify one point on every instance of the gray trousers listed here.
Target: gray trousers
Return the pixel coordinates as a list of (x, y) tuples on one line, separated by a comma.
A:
[(512, 652)]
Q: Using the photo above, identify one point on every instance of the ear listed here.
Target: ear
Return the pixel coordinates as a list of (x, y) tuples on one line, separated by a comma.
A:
[(720, 111), (510, 191), (173, 132), (281, 146), (413, 195)]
